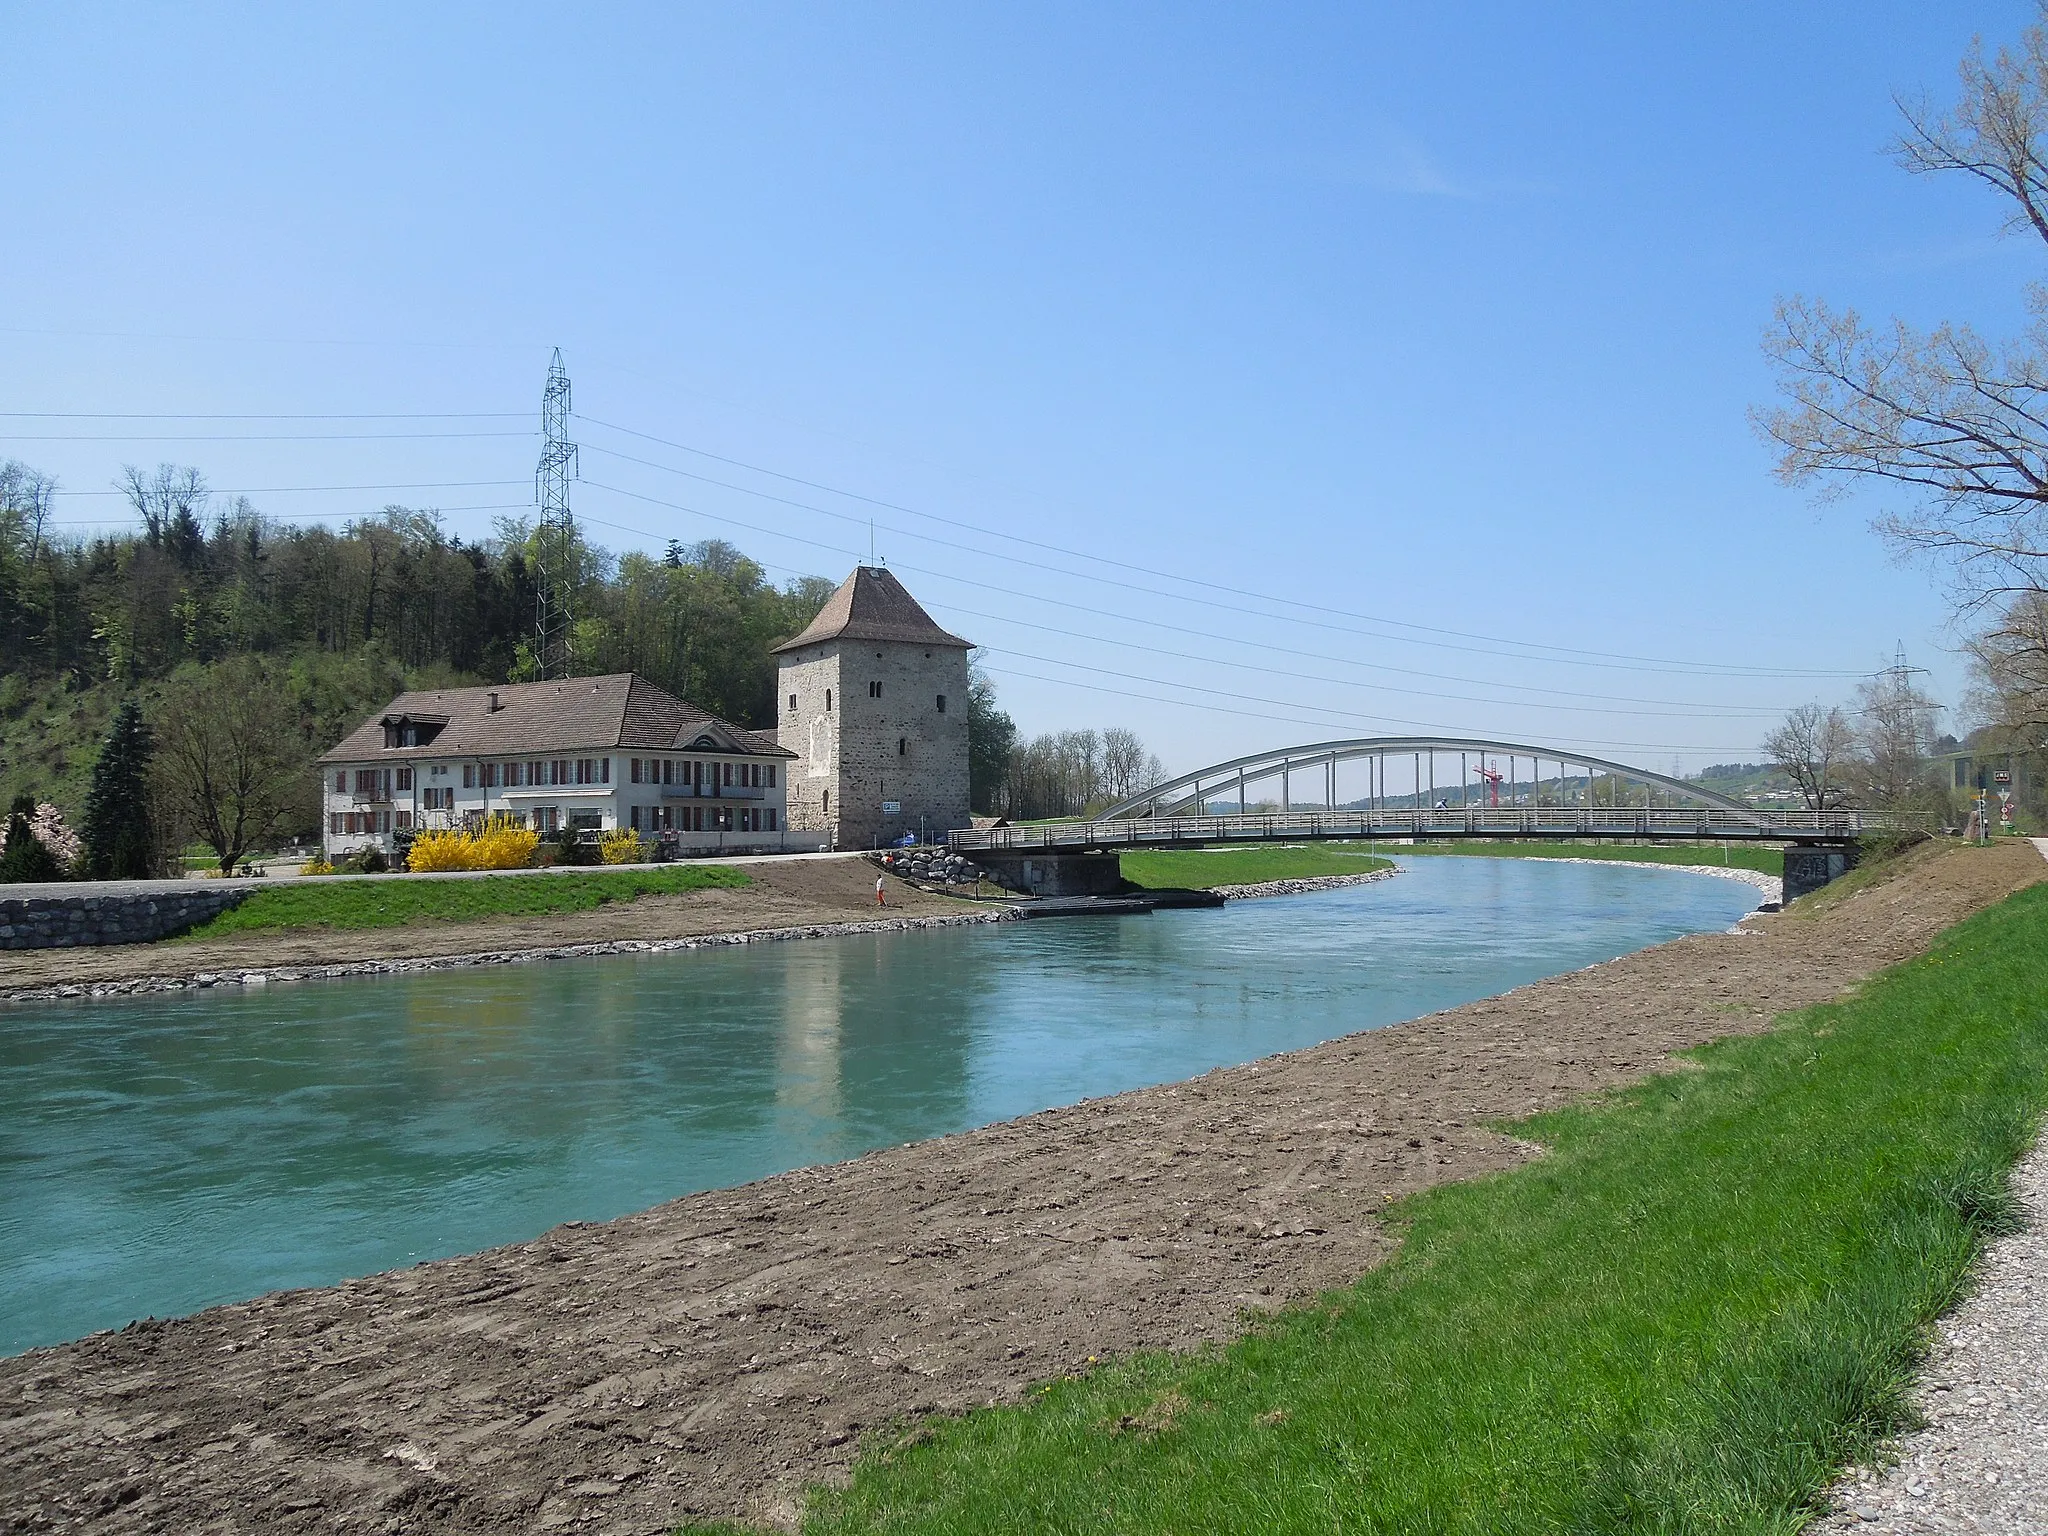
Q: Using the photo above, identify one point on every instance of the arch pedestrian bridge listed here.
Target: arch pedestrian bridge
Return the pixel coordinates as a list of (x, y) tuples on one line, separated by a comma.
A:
[(1422, 787)]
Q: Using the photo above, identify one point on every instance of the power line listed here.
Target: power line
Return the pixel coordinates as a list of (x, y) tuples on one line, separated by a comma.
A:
[(1159, 682), (111, 522), (1603, 706), (261, 416), (269, 490), (1125, 693), (263, 437), (1523, 645), (1037, 597)]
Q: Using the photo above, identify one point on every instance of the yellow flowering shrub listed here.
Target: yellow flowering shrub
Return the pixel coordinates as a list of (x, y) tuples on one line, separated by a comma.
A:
[(622, 845), (499, 843), (317, 865)]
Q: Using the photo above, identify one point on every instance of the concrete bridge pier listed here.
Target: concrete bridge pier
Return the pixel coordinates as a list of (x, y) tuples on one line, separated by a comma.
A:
[(1054, 874), (1809, 866)]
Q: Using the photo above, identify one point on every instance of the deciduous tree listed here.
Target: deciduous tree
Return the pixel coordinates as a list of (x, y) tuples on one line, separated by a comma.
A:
[(1813, 745), (230, 755)]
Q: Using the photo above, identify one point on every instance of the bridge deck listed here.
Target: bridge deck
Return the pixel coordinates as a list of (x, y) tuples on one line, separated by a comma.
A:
[(1561, 823)]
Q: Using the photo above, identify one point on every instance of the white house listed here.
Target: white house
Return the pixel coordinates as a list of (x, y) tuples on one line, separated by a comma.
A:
[(582, 753)]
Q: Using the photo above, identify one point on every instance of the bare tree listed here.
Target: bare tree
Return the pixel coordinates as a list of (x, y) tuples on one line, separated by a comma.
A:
[(1894, 739), (1813, 745), (1127, 767), (171, 502), (1959, 422), (231, 760)]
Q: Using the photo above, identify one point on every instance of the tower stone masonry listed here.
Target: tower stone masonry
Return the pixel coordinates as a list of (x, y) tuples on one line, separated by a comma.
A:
[(872, 698)]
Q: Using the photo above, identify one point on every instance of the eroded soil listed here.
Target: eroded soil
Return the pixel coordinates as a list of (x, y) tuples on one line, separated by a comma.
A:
[(785, 893), (710, 1356)]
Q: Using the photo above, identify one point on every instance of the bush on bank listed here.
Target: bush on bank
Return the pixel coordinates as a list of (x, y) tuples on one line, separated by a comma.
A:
[(1706, 1299)]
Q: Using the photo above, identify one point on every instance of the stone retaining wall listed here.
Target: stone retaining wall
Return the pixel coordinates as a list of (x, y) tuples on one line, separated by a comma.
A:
[(64, 920)]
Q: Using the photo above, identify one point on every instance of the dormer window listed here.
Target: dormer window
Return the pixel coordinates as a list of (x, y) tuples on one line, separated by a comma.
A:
[(412, 730)]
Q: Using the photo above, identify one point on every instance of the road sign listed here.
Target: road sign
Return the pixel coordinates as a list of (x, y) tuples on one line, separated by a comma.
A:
[(892, 807), (2001, 777)]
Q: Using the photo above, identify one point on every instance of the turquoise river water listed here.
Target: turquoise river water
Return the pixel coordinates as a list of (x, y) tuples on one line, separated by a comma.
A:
[(161, 1154)]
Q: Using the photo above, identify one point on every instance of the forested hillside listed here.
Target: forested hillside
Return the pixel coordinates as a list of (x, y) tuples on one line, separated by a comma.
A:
[(340, 618)]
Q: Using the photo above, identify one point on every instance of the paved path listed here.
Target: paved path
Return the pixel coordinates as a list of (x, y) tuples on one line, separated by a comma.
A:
[(1981, 1463)]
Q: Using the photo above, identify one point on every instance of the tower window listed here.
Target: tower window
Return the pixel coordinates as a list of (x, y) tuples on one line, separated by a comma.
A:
[(874, 690), (942, 703), (792, 703), (902, 746), (828, 800), (828, 701)]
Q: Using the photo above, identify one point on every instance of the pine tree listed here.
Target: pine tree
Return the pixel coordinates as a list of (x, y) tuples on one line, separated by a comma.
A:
[(117, 832)]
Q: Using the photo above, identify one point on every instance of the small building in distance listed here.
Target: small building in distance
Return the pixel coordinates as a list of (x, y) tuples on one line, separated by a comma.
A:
[(581, 753), (873, 701)]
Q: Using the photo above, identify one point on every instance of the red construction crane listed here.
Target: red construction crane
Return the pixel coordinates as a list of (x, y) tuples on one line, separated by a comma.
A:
[(1493, 776)]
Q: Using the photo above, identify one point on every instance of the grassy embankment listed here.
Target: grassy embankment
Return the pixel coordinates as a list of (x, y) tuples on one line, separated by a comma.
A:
[(395, 900), (1737, 855), (1193, 870), (1706, 1298)]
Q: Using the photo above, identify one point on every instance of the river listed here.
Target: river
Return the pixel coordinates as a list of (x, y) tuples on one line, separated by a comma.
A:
[(163, 1153)]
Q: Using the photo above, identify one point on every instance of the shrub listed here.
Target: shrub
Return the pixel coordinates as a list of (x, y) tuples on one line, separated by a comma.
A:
[(499, 843), (317, 865), (622, 845)]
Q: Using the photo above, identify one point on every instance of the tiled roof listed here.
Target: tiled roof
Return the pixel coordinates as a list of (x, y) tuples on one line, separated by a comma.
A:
[(872, 604), (576, 714)]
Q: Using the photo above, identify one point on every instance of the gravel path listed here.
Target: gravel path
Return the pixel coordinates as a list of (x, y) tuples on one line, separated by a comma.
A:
[(1981, 1462)]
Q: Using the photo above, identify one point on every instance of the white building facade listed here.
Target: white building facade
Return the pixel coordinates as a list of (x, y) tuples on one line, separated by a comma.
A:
[(587, 754)]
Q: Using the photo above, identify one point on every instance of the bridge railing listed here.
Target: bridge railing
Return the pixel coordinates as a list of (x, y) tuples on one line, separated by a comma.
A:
[(1399, 822)]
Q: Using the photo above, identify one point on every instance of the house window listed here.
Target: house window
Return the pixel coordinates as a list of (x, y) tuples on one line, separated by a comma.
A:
[(341, 782), (633, 769), (771, 779), (636, 818), (771, 818), (604, 770), (874, 690), (405, 778), (402, 820), (942, 703), (334, 823), (668, 770), (728, 775), (469, 775)]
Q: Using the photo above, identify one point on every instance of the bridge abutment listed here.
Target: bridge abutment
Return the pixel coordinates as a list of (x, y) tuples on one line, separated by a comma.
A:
[(1055, 874), (1809, 866)]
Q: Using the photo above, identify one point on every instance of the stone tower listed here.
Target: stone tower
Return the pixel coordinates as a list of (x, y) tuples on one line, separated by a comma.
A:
[(873, 698)]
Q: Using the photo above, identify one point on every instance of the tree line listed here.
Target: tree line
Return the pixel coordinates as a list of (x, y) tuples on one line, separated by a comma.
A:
[(225, 649)]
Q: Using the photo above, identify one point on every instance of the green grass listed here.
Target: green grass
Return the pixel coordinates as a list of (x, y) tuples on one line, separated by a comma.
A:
[(1181, 869), (1703, 1301), (1739, 855), (392, 900)]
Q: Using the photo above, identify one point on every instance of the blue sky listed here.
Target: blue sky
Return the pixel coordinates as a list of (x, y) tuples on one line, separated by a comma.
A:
[(1440, 327)]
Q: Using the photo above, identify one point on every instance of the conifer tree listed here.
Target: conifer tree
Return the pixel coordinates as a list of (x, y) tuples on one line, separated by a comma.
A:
[(117, 831), (25, 858)]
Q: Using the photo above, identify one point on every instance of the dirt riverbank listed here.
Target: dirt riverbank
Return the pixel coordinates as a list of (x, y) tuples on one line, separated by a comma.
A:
[(784, 893), (712, 1355)]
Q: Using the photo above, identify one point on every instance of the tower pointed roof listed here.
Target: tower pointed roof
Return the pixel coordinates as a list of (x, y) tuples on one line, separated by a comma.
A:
[(872, 604)]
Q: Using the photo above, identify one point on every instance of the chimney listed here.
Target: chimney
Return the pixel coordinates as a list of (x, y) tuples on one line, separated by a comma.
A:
[(495, 705)]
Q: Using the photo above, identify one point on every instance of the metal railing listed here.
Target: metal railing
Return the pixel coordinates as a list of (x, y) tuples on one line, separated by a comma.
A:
[(1697, 822)]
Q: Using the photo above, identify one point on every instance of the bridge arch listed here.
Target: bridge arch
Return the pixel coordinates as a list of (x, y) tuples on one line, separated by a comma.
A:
[(1176, 795)]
